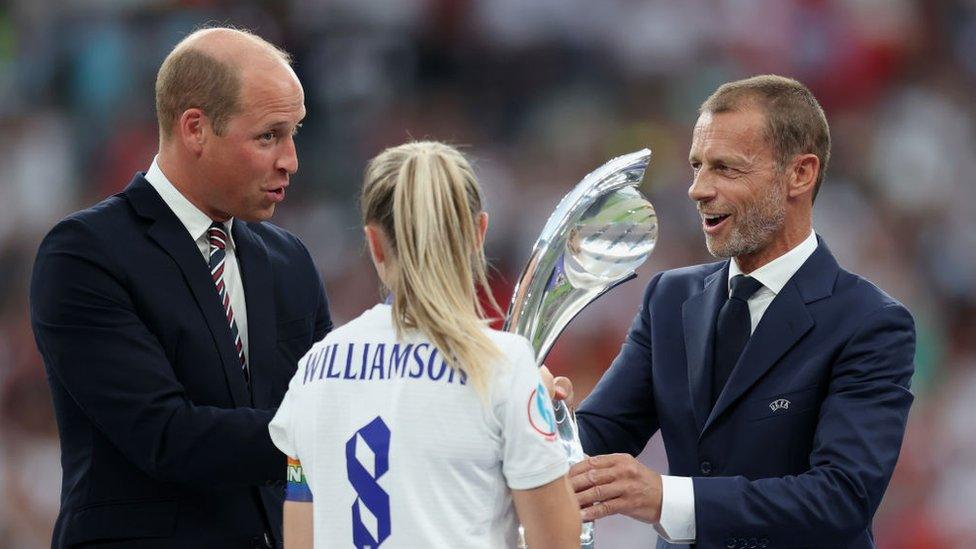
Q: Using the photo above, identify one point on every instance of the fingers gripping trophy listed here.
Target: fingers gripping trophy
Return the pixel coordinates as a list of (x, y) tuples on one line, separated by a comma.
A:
[(594, 241)]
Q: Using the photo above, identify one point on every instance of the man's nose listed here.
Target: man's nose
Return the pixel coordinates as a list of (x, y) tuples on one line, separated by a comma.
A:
[(701, 188), (288, 160)]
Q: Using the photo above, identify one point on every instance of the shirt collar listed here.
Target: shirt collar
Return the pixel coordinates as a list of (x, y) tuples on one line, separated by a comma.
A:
[(775, 274), (195, 221)]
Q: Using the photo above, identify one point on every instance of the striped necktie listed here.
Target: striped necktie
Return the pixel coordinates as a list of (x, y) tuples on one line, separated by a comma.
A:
[(218, 242)]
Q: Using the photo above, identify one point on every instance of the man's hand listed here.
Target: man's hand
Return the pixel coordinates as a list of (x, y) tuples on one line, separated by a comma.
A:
[(560, 388), (616, 484)]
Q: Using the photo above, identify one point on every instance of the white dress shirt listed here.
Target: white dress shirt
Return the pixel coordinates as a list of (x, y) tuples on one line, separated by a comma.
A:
[(197, 223), (677, 523)]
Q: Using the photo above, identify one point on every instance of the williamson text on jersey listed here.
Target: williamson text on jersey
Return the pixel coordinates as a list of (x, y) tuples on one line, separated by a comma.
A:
[(379, 361)]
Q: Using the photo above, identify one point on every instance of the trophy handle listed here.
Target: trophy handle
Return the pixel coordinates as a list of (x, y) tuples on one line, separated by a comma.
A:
[(568, 430), (600, 233)]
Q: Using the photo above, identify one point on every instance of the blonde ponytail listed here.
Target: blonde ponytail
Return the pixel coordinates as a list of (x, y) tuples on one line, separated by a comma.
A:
[(425, 198)]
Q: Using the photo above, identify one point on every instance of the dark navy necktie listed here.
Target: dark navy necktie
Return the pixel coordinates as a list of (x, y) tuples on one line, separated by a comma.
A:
[(732, 331), (217, 236)]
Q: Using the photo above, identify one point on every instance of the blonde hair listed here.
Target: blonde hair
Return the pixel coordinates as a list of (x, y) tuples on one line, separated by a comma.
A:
[(426, 200)]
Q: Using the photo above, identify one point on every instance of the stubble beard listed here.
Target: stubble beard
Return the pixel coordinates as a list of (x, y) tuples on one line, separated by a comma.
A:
[(753, 227)]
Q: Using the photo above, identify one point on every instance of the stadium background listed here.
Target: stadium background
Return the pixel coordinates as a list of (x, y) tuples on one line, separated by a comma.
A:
[(539, 92)]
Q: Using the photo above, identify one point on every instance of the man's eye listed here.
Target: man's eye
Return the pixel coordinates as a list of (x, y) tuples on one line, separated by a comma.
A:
[(695, 166), (268, 136)]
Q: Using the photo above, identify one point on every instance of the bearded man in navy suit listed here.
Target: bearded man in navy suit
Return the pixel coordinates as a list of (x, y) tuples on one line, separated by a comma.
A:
[(779, 381), (171, 316)]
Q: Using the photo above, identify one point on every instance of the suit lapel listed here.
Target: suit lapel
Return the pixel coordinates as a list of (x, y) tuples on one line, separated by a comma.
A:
[(783, 324), (698, 319), (167, 231), (256, 275)]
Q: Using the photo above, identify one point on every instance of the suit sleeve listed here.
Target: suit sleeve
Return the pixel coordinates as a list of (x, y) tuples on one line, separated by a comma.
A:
[(323, 318), (620, 414), (855, 447), (113, 367)]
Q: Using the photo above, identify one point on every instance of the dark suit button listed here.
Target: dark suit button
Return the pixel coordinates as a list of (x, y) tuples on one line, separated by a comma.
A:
[(753, 543), (763, 542), (730, 543), (706, 469)]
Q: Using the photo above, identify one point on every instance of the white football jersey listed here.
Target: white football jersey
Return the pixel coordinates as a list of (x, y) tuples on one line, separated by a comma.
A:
[(398, 449)]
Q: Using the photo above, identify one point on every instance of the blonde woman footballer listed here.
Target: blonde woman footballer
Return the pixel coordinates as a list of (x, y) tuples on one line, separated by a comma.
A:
[(415, 425)]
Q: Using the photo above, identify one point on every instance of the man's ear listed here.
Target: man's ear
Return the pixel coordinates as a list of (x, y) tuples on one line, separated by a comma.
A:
[(193, 129), (806, 168)]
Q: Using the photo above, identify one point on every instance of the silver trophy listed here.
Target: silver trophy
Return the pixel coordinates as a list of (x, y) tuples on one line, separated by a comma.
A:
[(597, 237)]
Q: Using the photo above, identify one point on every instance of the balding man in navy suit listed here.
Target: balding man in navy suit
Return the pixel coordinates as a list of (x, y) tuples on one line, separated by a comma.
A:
[(171, 316)]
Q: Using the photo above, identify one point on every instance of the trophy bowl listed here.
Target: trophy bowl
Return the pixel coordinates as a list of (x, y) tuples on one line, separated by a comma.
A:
[(597, 237)]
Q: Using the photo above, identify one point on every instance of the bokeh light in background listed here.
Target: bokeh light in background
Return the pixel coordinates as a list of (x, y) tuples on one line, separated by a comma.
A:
[(539, 92)]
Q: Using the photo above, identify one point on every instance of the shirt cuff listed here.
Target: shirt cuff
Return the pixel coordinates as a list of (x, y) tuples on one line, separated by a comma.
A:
[(677, 524)]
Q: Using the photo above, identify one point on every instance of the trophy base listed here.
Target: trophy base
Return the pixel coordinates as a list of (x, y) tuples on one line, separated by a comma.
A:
[(586, 537)]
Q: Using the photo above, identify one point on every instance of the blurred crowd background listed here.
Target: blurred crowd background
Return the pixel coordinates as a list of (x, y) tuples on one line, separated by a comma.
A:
[(539, 93)]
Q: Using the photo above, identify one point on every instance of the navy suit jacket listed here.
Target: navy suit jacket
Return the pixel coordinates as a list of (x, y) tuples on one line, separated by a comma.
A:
[(161, 443), (799, 447)]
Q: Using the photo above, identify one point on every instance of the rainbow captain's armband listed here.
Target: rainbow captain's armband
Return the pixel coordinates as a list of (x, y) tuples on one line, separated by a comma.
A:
[(298, 489)]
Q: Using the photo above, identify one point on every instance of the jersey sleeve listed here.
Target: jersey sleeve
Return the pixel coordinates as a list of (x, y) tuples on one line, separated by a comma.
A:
[(297, 488), (531, 454), (281, 426)]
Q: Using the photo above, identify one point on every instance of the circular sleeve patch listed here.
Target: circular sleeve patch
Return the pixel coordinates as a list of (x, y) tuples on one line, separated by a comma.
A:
[(540, 413)]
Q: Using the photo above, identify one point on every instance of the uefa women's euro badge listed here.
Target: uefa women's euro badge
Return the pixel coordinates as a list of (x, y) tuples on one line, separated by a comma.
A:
[(541, 416), (597, 237)]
